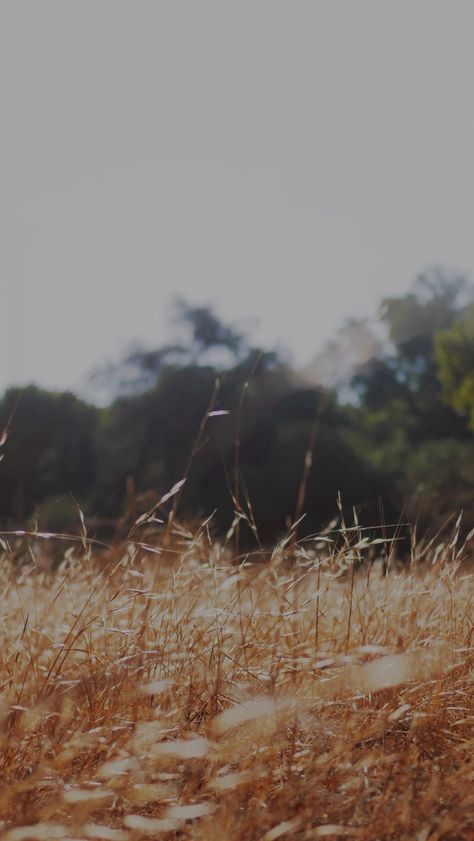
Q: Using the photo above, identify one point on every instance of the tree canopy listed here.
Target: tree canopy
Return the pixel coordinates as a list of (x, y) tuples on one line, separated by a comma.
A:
[(397, 439), (455, 358)]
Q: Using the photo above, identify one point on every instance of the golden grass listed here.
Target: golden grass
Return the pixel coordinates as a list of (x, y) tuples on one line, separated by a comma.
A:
[(195, 699)]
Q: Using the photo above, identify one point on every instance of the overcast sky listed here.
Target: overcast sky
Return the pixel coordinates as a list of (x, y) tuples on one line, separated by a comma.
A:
[(290, 162)]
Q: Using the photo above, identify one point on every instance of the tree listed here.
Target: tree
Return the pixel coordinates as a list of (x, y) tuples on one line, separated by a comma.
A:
[(51, 449), (406, 378), (413, 319), (455, 358), (206, 341), (208, 332), (406, 427)]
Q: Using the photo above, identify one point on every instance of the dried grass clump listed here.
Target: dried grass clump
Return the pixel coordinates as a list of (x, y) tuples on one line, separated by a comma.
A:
[(144, 697)]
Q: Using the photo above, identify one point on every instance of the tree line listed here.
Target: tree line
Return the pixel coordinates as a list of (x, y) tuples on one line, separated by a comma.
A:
[(394, 442)]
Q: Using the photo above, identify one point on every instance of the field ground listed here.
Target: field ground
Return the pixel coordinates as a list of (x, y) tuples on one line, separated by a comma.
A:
[(185, 697)]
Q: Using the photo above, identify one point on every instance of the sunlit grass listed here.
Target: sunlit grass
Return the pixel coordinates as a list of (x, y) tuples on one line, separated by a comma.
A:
[(185, 695)]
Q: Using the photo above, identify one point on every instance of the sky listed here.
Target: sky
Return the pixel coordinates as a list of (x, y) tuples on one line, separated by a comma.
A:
[(288, 163)]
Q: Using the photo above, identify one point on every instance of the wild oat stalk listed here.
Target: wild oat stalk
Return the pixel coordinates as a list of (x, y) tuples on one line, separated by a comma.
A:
[(218, 717)]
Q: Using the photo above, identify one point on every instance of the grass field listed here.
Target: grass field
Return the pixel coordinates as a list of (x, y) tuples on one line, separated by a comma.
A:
[(185, 696)]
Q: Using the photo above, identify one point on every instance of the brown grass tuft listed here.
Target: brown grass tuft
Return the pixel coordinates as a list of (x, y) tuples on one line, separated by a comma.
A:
[(193, 699)]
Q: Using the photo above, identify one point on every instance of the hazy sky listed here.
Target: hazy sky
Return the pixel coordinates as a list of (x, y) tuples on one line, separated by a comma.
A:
[(285, 161)]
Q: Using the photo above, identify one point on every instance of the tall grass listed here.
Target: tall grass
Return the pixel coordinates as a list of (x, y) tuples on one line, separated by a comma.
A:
[(192, 696)]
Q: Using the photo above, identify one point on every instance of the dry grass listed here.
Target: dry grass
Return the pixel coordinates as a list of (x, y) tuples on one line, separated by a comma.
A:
[(195, 699)]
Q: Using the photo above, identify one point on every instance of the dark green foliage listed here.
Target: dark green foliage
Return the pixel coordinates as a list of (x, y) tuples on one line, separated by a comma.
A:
[(52, 448), (455, 356), (405, 445), (406, 427)]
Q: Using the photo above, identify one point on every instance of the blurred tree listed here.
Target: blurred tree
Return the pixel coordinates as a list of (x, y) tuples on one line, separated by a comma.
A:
[(405, 427), (208, 332), (51, 449), (407, 377), (149, 436), (439, 480), (437, 297), (206, 341), (406, 441), (455, 358)]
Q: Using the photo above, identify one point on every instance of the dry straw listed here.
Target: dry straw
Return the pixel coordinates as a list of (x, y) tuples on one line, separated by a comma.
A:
[(185, 697)]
